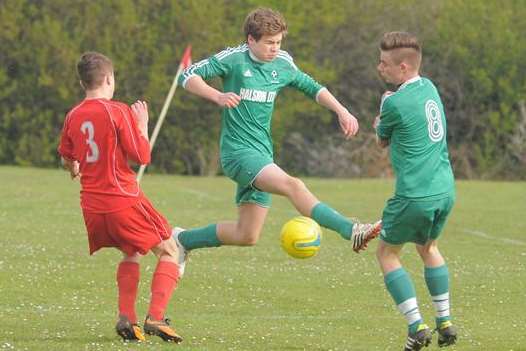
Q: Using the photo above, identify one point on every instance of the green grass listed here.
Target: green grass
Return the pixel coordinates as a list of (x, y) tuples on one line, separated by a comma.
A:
[(54, 296)]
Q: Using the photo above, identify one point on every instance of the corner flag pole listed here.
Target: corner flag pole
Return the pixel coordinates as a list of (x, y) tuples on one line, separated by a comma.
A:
[(185, 62)]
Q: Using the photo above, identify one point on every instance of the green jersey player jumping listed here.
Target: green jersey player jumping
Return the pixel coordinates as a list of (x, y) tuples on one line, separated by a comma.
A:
[(253, 74), (412, 123)]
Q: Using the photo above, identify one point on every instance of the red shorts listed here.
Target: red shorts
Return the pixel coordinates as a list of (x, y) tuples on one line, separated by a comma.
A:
[(136, 229)]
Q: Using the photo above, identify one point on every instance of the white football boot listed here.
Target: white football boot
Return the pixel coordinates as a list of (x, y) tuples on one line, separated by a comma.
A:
[(183, 253), (362, 233)]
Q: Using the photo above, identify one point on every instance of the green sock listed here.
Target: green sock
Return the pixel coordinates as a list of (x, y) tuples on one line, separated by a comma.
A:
[(327, 217), (437, 280), (402, 290), (200, 237)]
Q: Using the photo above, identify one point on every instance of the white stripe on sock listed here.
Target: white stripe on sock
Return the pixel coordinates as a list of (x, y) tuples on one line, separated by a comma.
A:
[(441, 303), (444, 296), (409, 309)]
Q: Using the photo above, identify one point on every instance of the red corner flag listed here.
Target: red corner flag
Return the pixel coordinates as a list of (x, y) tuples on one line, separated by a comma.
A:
[(186, 61)]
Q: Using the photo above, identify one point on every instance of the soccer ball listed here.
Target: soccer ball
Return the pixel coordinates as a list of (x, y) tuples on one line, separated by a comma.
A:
[(301, 237)]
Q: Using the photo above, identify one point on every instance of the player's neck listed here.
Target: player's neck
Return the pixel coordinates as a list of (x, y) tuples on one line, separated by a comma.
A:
[(410, 77), (254, 57), (98, 94)]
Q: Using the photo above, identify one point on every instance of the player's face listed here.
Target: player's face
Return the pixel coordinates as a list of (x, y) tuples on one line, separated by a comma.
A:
[(389, 70), (267, 47)]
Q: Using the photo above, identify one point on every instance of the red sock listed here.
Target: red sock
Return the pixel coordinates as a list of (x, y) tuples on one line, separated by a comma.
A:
[(164, 282), (128, 282)]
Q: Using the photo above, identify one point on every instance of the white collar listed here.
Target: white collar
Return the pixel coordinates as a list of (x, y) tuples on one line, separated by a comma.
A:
[(407, 82)]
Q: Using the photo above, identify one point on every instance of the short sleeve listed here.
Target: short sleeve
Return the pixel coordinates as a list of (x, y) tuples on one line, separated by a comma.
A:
[(136, 146), (214, 66), (65, 147), (306, 84), (389, 118), (301, 80)]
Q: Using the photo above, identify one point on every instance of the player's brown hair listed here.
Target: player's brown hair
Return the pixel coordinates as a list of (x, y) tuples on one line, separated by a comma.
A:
[(92, 67), (405, 47), (264, 21)]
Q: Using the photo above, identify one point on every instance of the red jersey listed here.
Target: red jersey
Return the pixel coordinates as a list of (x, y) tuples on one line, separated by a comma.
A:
[(103, 135)]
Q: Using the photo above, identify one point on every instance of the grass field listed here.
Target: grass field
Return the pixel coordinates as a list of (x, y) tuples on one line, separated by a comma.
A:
[(54, 296)]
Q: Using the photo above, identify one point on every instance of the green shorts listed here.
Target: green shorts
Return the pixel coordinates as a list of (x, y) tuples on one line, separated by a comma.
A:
[(415, 220), (243, 167)]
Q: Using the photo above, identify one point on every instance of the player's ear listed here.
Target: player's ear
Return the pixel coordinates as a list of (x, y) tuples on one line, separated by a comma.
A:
[(82, 85), (107, 78), (250, 39)]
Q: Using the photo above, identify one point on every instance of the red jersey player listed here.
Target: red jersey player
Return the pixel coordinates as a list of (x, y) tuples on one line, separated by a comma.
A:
[(99, 137)]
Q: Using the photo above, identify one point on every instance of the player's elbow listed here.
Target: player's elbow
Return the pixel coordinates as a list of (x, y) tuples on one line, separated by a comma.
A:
[(145, 159), (140, 159), (66, 159), (192, 82)]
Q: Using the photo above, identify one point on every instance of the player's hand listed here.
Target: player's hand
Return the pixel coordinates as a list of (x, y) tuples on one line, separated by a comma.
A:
[(73, 167), (348, 123), (228, 100), (140, 111), (74, 170)]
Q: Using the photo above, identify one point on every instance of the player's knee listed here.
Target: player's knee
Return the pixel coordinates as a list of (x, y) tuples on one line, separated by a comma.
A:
[(167, 257), (430, 249), (382, 253), (296, 184), (249, 240), (166, 249), (132, 258), (248, 237), (165, 253)]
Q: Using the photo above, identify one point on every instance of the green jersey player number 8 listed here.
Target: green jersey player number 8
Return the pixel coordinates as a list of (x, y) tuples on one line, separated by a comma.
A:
[(434, 121)]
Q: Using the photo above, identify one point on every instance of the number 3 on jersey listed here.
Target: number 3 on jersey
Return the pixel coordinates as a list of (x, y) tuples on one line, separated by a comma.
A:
[(93, 154), (434, 121)]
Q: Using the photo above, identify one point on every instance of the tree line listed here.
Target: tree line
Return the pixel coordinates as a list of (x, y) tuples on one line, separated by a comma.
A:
[(473, 50)]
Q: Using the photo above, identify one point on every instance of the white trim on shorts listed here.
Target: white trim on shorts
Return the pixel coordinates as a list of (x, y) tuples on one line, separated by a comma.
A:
[(251, 183)]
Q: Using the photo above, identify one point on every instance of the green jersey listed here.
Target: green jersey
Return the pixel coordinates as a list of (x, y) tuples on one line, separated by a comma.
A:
[(414, 122), (247, 126)]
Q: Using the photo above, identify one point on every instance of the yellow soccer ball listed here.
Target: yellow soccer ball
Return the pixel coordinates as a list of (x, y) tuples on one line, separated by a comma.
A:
[(301, 237)]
